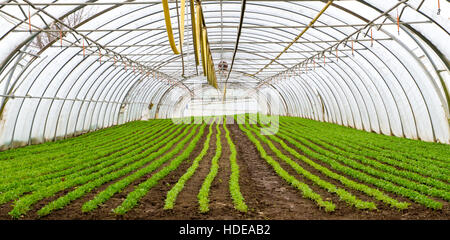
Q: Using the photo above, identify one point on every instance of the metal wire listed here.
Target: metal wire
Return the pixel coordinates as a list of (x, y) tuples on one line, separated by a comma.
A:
[(236, 46)]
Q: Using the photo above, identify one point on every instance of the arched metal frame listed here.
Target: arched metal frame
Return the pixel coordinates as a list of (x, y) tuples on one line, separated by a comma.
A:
[(396, 87)]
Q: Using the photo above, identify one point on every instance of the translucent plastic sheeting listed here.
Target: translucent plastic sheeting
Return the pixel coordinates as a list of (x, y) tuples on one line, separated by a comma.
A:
[(390, 83)]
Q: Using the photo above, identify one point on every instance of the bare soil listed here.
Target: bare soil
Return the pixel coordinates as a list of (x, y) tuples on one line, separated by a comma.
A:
[(266, 194)]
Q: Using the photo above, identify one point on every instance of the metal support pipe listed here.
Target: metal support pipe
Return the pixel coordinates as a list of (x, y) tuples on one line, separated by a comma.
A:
[(298, 36)]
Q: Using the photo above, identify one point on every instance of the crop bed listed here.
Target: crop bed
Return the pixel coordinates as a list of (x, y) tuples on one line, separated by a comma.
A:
[(160, 170)]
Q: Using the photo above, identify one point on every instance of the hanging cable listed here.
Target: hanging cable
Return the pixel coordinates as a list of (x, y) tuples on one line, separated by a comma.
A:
[(241, 21), (84, 49), (371, 37), (439, 7), (175, 48), (61, 35), (29, 18)]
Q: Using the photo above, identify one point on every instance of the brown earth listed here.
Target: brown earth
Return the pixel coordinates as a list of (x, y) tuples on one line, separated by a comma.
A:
[(266, 194)]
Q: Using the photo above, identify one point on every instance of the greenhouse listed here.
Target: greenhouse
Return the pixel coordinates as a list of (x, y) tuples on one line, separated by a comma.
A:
[(224, 109)]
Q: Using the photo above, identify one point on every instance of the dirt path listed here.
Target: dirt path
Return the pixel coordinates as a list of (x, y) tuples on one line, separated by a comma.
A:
[(220, 198), (272, 197)]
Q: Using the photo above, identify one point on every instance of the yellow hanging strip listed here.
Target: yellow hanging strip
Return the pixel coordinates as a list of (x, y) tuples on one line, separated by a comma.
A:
[(198, 22), (204, 56), (209, 63), (175, 48), (200, 38), (195, 32)]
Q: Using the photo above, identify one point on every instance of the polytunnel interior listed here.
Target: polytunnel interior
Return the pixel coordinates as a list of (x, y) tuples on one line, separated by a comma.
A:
[(378, 66)]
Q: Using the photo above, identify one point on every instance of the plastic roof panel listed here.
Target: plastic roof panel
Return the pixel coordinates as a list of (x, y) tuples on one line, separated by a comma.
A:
[(394, 84)]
